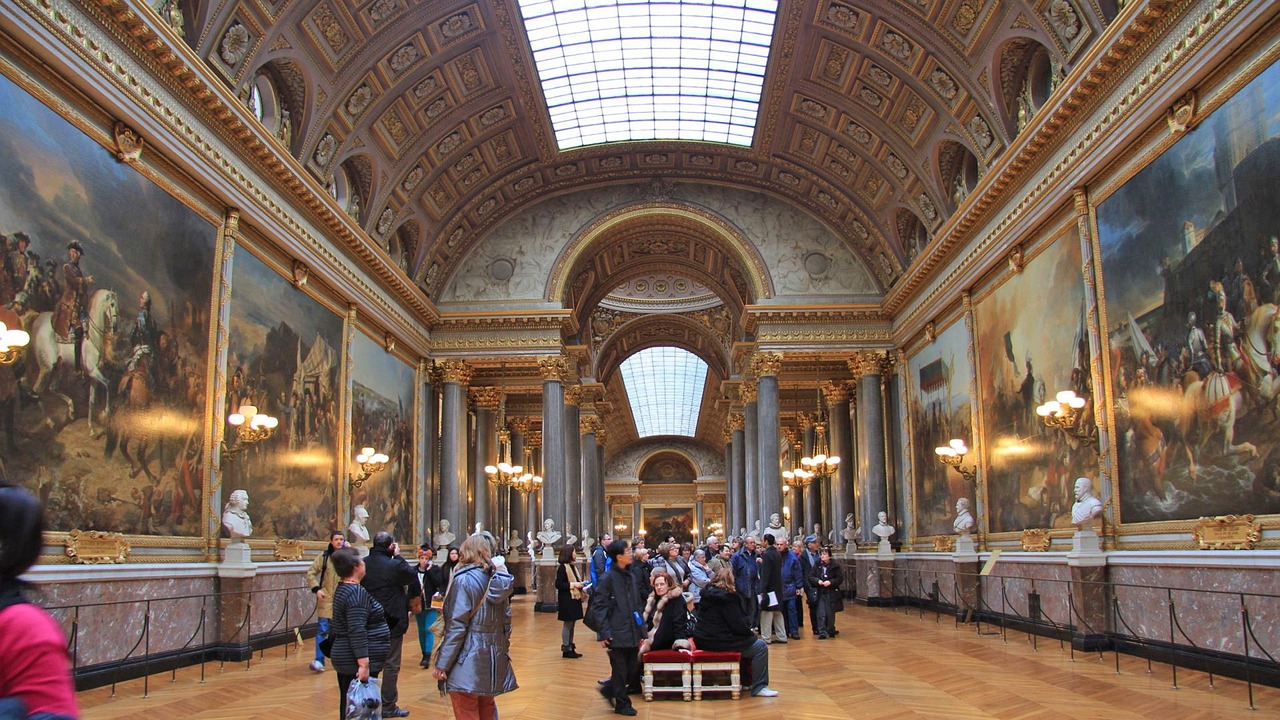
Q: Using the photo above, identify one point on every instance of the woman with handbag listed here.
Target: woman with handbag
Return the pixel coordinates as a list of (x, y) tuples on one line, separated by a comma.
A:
[(569, 595), (473, 662), (359, 636), (323, 580)]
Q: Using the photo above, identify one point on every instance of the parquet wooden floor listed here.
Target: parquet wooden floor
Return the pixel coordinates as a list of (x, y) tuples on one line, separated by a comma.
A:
[(885, 664)]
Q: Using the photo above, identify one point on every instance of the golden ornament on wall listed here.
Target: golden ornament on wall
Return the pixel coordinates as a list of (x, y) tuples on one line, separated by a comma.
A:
[(94, 547), (128, 143), (1181, 115), (944, 543), (288, 550), (1227, 532), (1036, 540)]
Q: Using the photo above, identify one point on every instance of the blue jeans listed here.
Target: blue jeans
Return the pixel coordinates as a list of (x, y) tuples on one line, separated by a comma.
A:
[(321, 634), (791, 606), (426, 640)]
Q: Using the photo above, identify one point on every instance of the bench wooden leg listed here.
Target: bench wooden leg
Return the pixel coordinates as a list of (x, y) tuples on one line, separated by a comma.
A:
[(697, 683), (686, 682), (648, 684)]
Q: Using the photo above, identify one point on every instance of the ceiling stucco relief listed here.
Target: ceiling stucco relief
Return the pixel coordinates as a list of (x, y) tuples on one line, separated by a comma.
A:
[(626, 464)]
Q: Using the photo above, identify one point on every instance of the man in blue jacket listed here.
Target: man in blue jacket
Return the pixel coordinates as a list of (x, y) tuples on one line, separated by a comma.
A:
[(746, 578), (792, 587), (615, 610), (599, 558)]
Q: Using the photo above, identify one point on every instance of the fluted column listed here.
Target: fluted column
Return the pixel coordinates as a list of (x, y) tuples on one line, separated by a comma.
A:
[(533, 509), (484, 452), (738, 476), (573, 460), (592, 487), (728, 480), (453, 444), (554, 371), (767, 367), (868, 366), (841, 491), (428, 446), (519, 501), (750, 455), (604, 514)]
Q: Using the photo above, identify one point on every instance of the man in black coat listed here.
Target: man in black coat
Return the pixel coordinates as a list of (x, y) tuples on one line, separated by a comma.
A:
[(391, 581), (773, 625), (809, 558), (615, 610)]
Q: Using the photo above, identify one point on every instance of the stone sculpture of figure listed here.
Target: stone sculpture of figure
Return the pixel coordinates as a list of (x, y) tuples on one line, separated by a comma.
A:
[(849, 533), (515, 541), (964, 524), (445, 537), (759, 530), (548, 534), (235, 516), (587, 542), (742, 532), (569, 537), (1087, 506), (883, 529), (775, 524), (358, 530), (529, 543)]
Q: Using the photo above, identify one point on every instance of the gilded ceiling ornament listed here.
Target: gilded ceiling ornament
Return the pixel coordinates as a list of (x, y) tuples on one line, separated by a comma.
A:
[(926, 207), (981, 131), (872, 186), (430, 276), (553, 367), (425, 87), (1062, 17), (867, 362), (455, 25), (943, 84), (842, 15), (611, 162), (871, 97), (657, 158), (456, 371), (383, 10), (300, 274), (840, 170), (857, 132), (896, 45), (566, 170), (966, 16), (813, 108), (171, 12), (911, 116), (359, 100), (745, 166), (701, 160), (455, 237), (438, 193), (486, 397), (501, 149), (437, 108), (879, 76), (467, 161), (808, 141), (790, 179), (396, 129), (1181, 115), (451, 142), (129, 143), (590, 425), (523, 184), (833, 69), (469, 72), (404, 58), (325, 149), (414, 177), (329, 27), (930, 332), (1016, 259), (827, 200), (487, 206), (843, 153), (859, 230), (472, 178), (895, 166), (493, 116), (235, 45), (384, 221)]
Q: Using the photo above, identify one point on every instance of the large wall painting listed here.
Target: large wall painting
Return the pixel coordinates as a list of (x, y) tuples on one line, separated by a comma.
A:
[(941, 406), (1032, 343), (284, 359), (1191, 275), (382, 418), (111, 436), (662, 522)]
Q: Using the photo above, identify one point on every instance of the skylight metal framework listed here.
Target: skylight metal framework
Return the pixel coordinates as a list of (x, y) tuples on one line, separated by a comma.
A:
[(624, 70), (665, 386)]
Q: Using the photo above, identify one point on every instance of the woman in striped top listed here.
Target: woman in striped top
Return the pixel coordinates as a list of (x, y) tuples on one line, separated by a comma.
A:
[(361, 638)]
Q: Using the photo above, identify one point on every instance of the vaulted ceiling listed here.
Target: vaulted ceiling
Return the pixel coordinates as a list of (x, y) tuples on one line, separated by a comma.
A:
[(876, 117)]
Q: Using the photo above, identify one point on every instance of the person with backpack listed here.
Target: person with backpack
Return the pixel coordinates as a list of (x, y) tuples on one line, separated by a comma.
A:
[(600, 559), (614, 614), (322, 578)]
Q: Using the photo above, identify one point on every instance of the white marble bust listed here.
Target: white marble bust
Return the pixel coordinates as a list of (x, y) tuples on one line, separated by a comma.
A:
[(775, 525), (849, 533), (587, 541), (235, 516), (515, 541), (964, 523), (358, 530), (569, 537), (817, 529), (883, 529), (548, 534), (1087, 507), (445, 537)]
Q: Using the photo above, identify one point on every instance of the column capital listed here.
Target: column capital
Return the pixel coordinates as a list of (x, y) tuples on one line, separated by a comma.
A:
[(534, 439), (590, 425), (805, 420), (435, 374), (737, 421), (456, 371), (553, 367), (790, 434), (727, 435), (748, 392), (766, 364), (835, 391), (519, 425), (572, 394), (866, 362), (602, 435), (486, 397)]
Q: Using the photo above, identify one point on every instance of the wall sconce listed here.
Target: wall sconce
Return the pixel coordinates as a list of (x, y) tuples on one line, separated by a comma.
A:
[(251, 427), (11, 342), (953, 454), (371, 461), (1063, 412), (620, 528)]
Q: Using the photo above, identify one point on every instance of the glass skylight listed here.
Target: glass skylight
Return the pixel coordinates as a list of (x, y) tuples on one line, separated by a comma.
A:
[(619, 70), (664, 385)]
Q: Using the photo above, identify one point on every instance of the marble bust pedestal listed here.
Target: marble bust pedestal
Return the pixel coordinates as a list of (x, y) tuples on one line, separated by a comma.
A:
[(884, 550), (237, 561)]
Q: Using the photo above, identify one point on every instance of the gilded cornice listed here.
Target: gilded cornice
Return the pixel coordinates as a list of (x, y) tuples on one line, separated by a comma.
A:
[(1095, 78), (456, 371), (486, 398), (241, 150), (524, 321), (554, 368), (835, 392)]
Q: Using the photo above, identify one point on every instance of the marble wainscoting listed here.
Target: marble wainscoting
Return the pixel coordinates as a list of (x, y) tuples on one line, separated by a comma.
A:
[(1210, 587), (915, 573), (104, 609), (281, 599), (1016, 575)]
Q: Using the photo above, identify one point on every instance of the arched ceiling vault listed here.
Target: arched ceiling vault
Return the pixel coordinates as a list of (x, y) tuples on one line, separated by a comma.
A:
[(441, 98)]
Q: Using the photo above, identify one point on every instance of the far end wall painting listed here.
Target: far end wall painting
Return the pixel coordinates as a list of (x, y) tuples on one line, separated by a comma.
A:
[(1033, 343), (381, 418), (1191, 273), (284, 359), (109, 433), (661, 523), (941, 409)]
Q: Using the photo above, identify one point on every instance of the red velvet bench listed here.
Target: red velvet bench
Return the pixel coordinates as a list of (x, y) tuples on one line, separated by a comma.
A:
[(705, 661), (667, 661)]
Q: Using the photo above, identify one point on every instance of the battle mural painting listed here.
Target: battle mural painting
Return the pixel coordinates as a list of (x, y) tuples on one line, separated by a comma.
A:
[(1191, 277), (941, 405), (660, 523), (284, 360), (381, 418), (102, 413), (1032, 342)]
